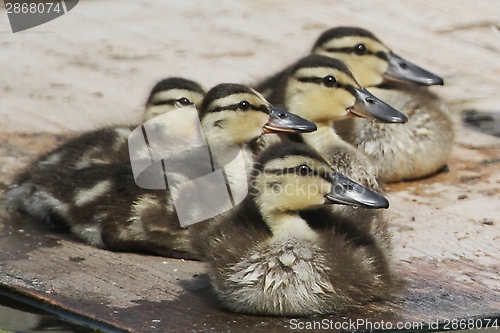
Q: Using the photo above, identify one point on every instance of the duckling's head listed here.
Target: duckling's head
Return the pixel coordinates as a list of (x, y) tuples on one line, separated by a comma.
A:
[(171, 94), (323, 90), (238, 114), (371, 61), (290, 177)]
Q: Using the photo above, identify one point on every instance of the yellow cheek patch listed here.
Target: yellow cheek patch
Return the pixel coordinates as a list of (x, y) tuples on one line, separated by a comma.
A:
[(291, 192), (324, 105), (316, 102), (299, 193), (236, 127), (369, 70)]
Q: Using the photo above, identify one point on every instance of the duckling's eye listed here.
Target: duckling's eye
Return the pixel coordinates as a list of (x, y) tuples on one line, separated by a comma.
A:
[(329, 81), (184, 101), (244, 105), (304, 170), (360, 49)]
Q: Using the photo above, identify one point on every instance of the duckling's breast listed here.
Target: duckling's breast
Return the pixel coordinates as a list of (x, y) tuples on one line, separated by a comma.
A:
[(296, 277), (404, 151), (354, 165), (283, 279)]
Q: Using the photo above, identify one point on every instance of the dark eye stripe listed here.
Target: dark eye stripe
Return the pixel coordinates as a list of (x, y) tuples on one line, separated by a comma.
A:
[(234, 107), (296, 170), (379, 54), (165, 102), (349, 87)]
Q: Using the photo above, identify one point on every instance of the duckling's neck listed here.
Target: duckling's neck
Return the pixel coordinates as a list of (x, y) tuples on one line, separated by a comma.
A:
[(236, 161), (288, 225), (323, 138), (228, 153)]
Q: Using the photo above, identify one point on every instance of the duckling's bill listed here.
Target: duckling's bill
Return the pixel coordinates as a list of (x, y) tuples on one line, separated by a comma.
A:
[(370, 107), (284, 121), (402, 70), (347, 192)]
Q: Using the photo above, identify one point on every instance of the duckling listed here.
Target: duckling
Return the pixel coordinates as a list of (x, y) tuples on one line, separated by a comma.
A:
[(281, 252), (102, 205), (109, 144), (416, 150)]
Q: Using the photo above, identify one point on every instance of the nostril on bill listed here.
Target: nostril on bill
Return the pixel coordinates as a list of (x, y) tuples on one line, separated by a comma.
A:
[(370, 100)]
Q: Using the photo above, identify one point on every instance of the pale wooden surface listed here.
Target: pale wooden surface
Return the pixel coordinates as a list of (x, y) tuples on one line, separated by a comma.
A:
[(95, 65)]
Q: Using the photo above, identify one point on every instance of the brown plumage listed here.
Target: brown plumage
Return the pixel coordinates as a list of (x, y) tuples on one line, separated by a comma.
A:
[(285, 254)]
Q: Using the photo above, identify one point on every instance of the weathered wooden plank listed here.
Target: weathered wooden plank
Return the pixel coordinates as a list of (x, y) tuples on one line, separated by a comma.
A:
[(442, 247)]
